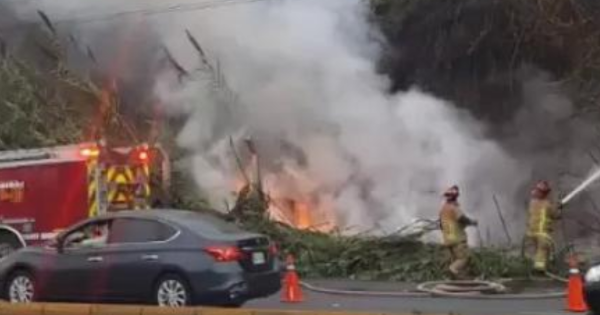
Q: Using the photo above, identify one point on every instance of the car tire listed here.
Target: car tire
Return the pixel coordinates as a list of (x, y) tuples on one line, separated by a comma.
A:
[(21, 288), (172, 290)]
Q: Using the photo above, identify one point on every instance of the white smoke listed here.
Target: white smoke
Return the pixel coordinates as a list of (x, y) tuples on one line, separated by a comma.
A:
[(304, 72)]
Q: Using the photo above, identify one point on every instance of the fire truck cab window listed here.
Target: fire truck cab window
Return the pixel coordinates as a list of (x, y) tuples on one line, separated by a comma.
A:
[(139, 231)]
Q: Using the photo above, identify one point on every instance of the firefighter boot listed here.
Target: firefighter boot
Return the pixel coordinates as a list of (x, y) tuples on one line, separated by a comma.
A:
[(460, 257)]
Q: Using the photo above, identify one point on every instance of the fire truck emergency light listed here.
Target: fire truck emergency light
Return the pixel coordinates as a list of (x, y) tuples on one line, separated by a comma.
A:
[(89, 152), (143, 156)]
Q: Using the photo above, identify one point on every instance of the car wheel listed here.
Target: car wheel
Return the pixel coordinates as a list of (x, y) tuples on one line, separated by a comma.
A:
[(21, 288), (172, 291)]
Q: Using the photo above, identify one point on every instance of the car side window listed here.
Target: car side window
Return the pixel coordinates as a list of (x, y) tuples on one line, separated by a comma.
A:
[(92, 235), (133, 230)]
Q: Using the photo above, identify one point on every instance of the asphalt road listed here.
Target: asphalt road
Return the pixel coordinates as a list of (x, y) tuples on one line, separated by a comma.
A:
[(324, 302)]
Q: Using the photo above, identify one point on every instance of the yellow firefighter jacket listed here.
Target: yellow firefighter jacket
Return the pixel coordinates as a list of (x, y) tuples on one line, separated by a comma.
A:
[(452, 224), (541, 217)]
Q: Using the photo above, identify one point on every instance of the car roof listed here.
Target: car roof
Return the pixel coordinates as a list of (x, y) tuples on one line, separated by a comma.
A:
[(194, 221), (148, 213), (173, 215)]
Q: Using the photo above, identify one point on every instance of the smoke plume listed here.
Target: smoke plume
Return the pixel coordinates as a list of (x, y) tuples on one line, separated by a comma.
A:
[(304, 74)]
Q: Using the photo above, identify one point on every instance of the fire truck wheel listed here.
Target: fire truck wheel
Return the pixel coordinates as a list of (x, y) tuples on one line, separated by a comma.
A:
[(172, 291), (20, 288)]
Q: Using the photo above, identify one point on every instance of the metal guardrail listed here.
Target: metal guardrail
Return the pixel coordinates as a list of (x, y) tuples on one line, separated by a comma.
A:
[(88, 309)]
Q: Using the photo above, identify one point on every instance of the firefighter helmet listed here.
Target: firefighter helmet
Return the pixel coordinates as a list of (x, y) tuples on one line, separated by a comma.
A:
[(452, 192), (542, 187)]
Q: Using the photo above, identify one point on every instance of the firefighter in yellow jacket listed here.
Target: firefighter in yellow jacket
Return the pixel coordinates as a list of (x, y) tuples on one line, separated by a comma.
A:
[(542, 213), (453, 224)]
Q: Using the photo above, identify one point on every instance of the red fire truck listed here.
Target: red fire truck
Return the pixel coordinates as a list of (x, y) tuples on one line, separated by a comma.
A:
[(45, 190)]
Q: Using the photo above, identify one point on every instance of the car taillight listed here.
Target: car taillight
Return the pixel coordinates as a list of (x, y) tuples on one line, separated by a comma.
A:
[(225, 253), (273, 249)]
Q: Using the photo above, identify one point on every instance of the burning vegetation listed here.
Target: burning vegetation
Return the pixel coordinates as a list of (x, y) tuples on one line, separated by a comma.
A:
[(283, 196), (326, 251)]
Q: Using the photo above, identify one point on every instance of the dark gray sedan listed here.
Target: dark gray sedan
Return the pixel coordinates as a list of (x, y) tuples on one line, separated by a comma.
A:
[(165, 257)]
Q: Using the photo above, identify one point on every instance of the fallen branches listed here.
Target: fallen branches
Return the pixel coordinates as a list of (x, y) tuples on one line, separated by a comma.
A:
[(401, 256)]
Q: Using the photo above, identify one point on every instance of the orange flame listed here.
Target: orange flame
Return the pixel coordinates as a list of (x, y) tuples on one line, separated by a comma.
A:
[(238, 185), (290, 192), (302, 214)]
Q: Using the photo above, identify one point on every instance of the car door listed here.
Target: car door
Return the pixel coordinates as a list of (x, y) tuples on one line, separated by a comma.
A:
[(137, 247), (76, 272)]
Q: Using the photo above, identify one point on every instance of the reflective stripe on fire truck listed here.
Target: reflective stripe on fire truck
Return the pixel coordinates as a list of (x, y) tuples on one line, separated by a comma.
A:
[(146, 169), (119, 177), (48, 236), (31, 237), (39, 236), (143, 183), (92, 176)]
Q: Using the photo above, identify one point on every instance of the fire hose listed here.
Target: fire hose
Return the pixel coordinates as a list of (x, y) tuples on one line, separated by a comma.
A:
[(475, 289), (469, 289)]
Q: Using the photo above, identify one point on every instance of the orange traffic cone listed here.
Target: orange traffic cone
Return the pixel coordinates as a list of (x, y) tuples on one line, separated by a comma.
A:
[(575, 301), (292, 293)]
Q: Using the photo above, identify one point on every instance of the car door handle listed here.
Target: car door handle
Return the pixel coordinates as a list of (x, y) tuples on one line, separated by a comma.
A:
[(149, 257), (95, 259)]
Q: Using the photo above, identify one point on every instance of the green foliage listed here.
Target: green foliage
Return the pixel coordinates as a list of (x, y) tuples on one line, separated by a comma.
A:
[(43, 102), (35, 113), (494, 263), (183, 193)]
